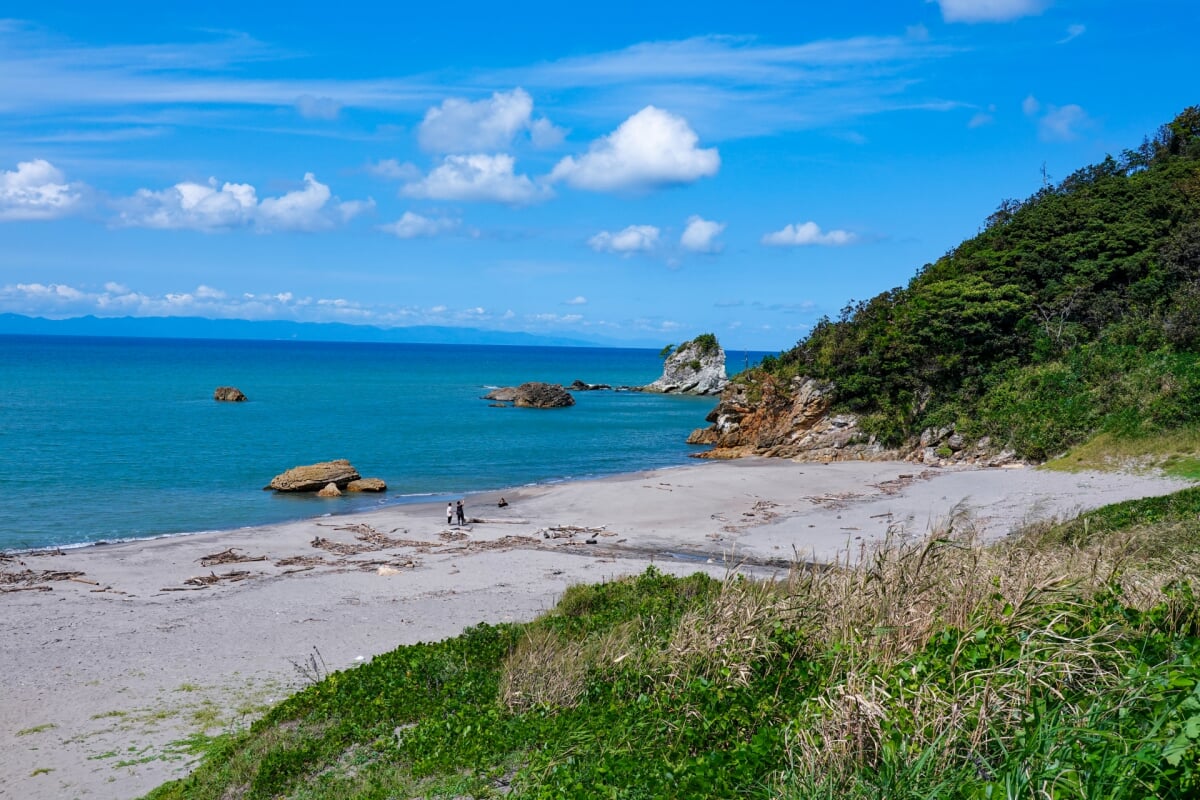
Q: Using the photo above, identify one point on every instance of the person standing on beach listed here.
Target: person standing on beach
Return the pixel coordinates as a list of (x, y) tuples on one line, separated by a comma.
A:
[(462, 514), (449, 513)]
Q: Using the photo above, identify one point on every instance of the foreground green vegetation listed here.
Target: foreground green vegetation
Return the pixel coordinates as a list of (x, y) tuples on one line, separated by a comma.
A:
[(1064, 663), (1075, 312)]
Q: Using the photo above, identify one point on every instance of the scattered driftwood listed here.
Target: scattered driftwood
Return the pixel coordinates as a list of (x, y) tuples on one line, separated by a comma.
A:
[(902, 480), (230, 556), (452, 536), (837, 500), (30, 580), (370, 541), (212, 578), (341, 548), (568, 531), (491, 521), (385, 566), (503, 543), (308, 562)]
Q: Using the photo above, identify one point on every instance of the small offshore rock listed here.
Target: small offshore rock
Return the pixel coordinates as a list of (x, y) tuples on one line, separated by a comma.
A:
[(696, 367), (533, 395), (312, 477), (367, 485), (542, 395), (330, 490), (228, 394), (580, 386)]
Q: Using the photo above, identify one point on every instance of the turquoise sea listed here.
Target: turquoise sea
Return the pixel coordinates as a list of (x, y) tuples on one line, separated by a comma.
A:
[(104, 438)]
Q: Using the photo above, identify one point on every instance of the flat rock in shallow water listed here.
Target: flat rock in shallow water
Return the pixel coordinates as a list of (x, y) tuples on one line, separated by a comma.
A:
[(314, 477), (505, 394), (367, 485)]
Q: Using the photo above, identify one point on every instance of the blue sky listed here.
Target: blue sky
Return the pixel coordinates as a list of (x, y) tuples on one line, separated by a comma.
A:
[(623, 172)]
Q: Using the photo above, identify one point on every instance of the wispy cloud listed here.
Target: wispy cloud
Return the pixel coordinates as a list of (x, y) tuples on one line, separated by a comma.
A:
[(1073, 32), (989, 10), (414, 226), (775, 87)]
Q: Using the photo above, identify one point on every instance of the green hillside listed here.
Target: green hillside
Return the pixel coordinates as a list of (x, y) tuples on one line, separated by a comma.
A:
[(1074, 312)]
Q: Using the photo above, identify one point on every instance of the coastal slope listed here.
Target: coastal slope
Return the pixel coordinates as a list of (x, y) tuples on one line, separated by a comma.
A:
[(1075, 312)]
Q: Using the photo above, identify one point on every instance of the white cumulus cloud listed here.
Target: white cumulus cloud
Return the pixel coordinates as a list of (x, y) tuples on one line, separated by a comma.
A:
[(634, 239), (808, 233), (578, 300), (989, 10), (37, 190), (462, 126), (650, 149), (209, 207), (413, 226), (700, 235), (477, 177)]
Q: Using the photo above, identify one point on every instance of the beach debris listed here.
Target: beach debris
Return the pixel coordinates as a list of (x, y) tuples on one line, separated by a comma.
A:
[(228, 394), (568, 531), (492, 521), (341, 548), (308, 562), (452, 536), (30, 580), (229, 556), (503, 543), (198, 582), (837, 500), (393, 568), (212, 578), (902, 480), (330, 490), (369, 541)]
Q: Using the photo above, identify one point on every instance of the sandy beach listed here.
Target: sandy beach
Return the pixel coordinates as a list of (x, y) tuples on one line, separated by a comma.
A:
[(114, 655)]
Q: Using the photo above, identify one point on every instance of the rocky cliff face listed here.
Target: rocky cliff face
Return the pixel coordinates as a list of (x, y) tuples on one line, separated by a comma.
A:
[(696, 367), (763, 416)]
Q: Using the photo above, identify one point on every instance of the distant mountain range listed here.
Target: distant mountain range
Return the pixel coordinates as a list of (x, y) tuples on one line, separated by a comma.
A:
[(200, 328)]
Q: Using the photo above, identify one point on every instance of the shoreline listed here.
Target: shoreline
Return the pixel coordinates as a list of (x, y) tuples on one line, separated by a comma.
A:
[(129, 647), (384, 503)]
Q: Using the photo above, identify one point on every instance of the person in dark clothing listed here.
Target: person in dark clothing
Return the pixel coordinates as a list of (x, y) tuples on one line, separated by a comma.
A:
[(462, 515)]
